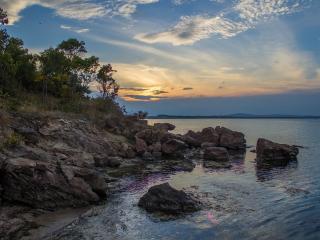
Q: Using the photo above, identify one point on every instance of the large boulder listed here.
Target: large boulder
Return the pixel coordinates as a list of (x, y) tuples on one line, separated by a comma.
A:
[(231, 139), (48, 186), (165, 199), (274, 154), (173, 147)]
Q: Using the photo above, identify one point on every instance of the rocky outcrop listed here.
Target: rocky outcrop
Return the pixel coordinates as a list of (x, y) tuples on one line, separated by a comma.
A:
[(165, 199), (49, 186), (274, 154), (218, 137)]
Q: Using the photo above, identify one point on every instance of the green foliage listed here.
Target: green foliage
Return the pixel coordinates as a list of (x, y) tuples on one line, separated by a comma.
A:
[(13, 140), (57, 79), (17, 66)]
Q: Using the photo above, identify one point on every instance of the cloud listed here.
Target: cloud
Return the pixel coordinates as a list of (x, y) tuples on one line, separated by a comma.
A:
[(128, 7), (244, 15), (143, 97), (192, 29), (159, 92), (74, 29), (133, 89), (187, 89), (141, 48), (75, 9)]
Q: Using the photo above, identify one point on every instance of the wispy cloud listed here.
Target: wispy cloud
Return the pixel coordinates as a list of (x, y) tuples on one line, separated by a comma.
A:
[(133, 89), (128, 7), (159, 92), (244, 15), (141, 48), (143, 97), (75, 29), (76, 9)]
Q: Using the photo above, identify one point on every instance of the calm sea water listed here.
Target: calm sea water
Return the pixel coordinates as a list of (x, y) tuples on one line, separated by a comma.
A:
[(282, 203)]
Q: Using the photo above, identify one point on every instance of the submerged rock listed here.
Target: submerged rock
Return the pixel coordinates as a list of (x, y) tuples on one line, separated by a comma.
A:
[(274, 154), (165, 199), (216, 157)]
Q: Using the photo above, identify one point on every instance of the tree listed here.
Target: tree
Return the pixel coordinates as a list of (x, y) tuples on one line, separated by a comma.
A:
[(72, 48), (16, 64), (54, 72), (107, 85), (82, 70)]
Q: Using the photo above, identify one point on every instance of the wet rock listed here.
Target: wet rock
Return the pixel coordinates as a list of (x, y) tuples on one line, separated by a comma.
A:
[(164, 126), (156, 147), (16, 221), (274, 154), (165, 199), (217, 154), (231, 139), (147, 156), (207, 145), (105, 161), (182, 165), (173, 147), (191, 141), (157, 155)]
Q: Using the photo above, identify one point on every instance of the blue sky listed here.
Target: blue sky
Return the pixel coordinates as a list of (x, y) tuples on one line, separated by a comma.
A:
[(242, 54)]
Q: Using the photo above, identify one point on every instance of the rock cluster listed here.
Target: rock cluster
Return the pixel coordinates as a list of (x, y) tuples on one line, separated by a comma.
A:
[(157, 141)]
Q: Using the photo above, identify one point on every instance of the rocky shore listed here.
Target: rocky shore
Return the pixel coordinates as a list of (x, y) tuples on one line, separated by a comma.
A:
[(51, 162)]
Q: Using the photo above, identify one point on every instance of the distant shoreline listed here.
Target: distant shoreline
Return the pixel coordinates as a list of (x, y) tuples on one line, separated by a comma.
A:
[(236, 116)]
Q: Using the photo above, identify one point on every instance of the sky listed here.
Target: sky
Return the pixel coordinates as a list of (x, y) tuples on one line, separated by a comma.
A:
[(190, 57)]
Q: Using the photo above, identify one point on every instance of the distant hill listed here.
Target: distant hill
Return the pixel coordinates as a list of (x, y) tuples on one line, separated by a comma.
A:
[(236, 115)]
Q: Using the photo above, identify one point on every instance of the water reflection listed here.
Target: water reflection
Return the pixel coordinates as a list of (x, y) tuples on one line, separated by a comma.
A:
[(268, 173)]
